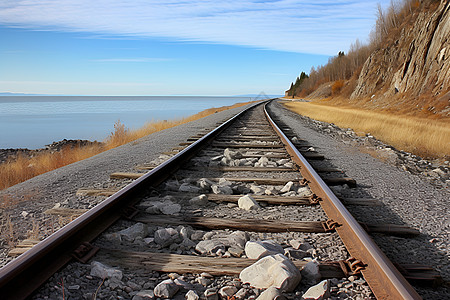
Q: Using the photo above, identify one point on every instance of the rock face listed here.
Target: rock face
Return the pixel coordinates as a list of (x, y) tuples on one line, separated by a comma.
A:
[(417, 62), (274, 270)]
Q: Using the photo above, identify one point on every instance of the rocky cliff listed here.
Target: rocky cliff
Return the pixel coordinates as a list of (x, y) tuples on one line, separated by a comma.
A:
[(415, 64)]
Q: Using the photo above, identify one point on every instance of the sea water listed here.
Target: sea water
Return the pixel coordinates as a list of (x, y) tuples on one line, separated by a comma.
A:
[(34, 121)]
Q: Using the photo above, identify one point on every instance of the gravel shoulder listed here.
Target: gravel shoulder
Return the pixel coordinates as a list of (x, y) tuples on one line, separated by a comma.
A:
[(31, 198), (410, 199)]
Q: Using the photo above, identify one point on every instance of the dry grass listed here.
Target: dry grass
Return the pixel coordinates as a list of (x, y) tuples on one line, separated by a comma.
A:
[(23, 167), (424, 137)]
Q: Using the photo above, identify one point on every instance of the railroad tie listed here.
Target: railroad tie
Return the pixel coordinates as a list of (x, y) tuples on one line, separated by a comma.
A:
[(177, 263), (258, 225)]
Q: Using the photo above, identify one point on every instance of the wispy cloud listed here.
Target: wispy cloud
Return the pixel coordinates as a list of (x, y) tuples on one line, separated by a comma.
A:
[(132, 60), (320, 26)]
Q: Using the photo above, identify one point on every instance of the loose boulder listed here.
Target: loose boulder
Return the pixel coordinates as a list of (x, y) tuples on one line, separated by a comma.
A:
[(310, 273), (131, 233), (271, 293), (273, 270), (318, 292), (247, 202), (104, 272), (166, 289), (166, 236), (199, 200), (259, 249)]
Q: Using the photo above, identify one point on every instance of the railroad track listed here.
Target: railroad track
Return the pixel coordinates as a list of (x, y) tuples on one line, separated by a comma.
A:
[(202, 211)]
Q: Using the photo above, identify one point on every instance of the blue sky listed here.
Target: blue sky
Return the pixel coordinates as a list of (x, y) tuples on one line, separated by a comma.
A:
[(178, 47)]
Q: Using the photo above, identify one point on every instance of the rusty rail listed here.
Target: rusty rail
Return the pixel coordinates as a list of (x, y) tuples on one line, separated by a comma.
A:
[(22, 276), (382, 276)]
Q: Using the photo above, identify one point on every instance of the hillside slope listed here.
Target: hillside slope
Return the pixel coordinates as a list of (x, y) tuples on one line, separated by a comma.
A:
[(414, 67)]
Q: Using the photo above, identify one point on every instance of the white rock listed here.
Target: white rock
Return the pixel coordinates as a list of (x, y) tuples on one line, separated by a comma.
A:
[(295, 243), (197, 235), (295, 253), (24, 214), (238, 238), (227, 292), (271, 293), (274, 270), (318, 292), (262, 162), (241, 294), (271, 164), (224, 182), (282, 161), (259, 249), (289, 165), (210, 246), (113, 237), (166, 289), (257, 189), (303, 191), (166, 236), (199, 200), (216, 158), (185, 231), (225, 161), (310, 273), (144, 295), (188, 188), (183, 284), (271, 191), (247, 202), (170, 208), (289, 194), (224, 190), (104, 272), (230, 155), (287, 187), (149, 240), (192, 295), (204, 183), (211, 294)]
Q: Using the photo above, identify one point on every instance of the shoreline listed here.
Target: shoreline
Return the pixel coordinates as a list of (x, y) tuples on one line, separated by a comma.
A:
[(12, 153)]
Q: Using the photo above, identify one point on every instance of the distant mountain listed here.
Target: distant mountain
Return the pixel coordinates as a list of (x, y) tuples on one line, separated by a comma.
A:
[(256, 95)]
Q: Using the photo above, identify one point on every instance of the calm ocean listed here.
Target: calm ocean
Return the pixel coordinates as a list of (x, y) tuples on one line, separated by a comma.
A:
[(34, 121)]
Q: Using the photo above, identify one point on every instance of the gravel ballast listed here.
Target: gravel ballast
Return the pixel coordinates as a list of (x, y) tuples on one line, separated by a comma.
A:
[(409, 199)]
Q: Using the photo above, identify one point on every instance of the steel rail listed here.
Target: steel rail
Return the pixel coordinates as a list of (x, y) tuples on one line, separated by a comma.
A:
[(382, 276), (22, 276)]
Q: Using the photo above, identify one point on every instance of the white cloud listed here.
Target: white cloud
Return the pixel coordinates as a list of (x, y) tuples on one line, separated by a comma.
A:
[(139, 59), (321, 26)]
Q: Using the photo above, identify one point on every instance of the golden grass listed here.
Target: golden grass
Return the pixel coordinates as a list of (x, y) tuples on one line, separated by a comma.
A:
[(23, 167), (421, 136)]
